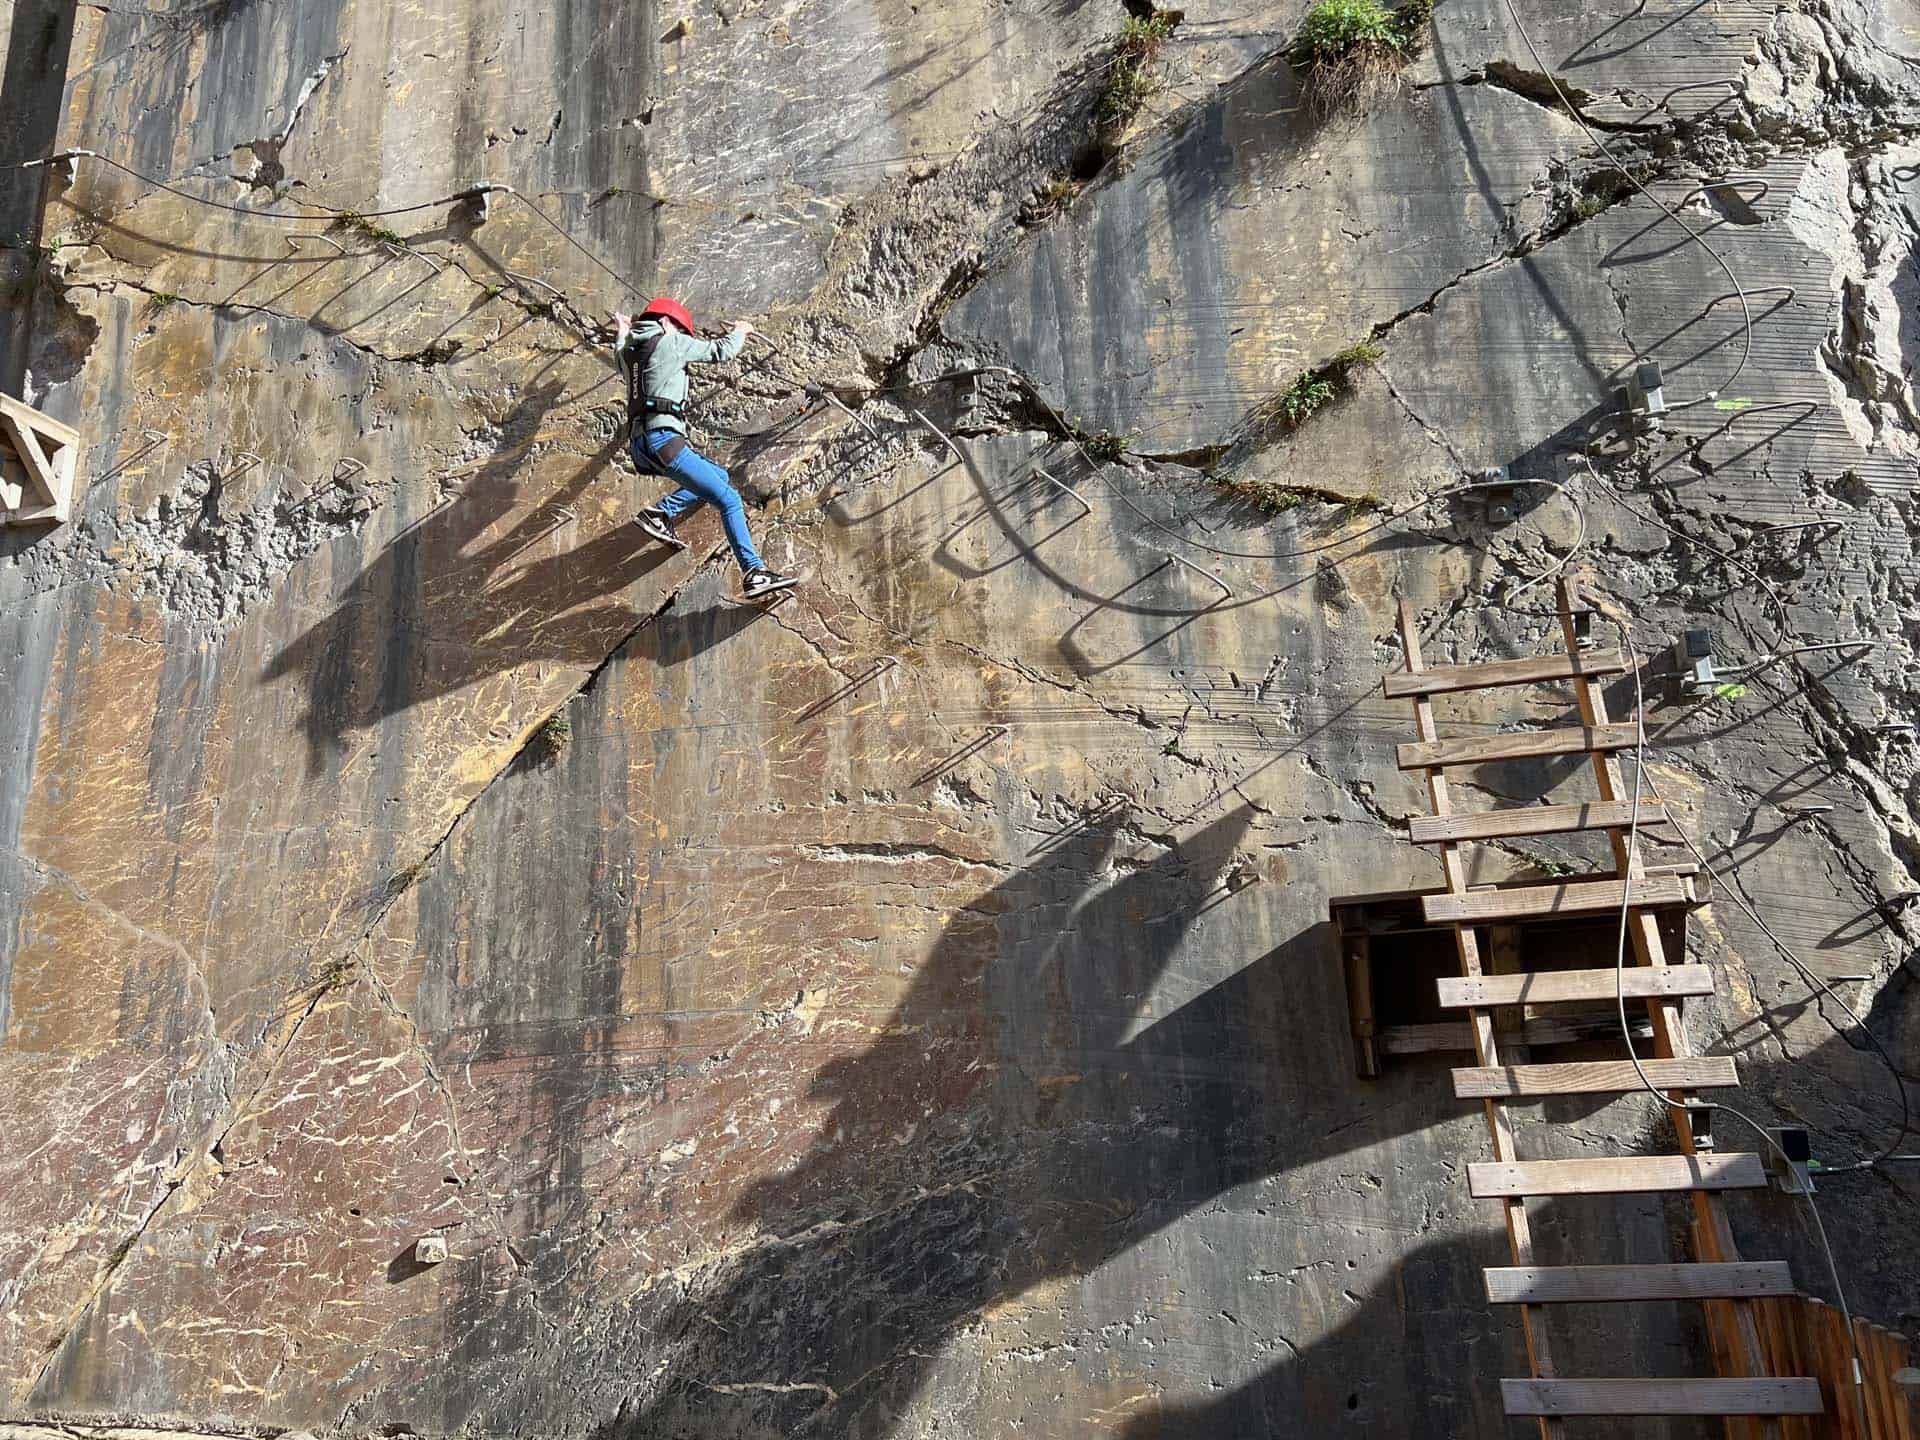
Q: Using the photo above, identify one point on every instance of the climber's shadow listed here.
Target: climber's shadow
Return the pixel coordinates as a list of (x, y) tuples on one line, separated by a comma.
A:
[(465, 593)]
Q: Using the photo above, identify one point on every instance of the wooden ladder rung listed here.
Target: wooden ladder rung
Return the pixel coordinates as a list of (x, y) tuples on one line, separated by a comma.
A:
[(1593, 1077), (1535, 902), (1745, 1396), (1551, 1284), (1541, 987), (1519, 745), (1529, 670), (1616, 1175), (1534, 820)]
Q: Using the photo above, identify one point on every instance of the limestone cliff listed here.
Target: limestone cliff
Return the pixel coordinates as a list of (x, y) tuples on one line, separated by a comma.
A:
[(909, 1010)]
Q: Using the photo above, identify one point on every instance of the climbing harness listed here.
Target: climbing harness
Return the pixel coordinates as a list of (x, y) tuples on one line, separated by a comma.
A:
[(641, 405)]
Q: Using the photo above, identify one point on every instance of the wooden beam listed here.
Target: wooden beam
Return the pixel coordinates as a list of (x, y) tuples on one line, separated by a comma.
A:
[(1617, 1175), (1713, 1234), (1518, 745), (1485, 1045), (46, 456), (1594, 1077), (1540, 1030), (1662, 1397), (1534, 820), (1536, 902), (1529, 670), (1553, 1284), (1543, 987)]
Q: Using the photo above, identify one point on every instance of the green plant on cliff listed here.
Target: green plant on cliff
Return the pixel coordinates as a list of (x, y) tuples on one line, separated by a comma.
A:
[(1272, 497), (1132, 78), (1308, 392), (160, 300), (555, 732), (1049, 198), (1352, 49), (355, 223), (1311, 389), (1103, 447)]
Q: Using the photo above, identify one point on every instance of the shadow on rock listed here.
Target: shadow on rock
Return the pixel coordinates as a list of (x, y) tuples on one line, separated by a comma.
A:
[(1018, 1121), (452, 600)]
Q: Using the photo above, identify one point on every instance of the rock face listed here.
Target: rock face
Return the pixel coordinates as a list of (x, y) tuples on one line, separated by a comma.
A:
[(911, 1008)]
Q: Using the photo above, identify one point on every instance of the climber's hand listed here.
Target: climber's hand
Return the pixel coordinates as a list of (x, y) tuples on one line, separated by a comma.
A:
[(744, 329), (622, 324)]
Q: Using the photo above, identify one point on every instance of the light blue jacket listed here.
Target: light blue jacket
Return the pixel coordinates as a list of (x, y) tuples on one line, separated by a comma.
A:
[(666, 377)]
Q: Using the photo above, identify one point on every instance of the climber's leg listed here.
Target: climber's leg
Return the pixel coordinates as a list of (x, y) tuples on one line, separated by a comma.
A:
[(704, 482), (657, 520)]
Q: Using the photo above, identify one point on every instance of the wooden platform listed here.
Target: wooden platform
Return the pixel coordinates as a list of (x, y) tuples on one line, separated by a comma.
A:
[(39, 457)]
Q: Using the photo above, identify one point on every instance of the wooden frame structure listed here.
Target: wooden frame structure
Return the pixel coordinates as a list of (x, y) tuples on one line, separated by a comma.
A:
[(1747, 1388), (39, 457)]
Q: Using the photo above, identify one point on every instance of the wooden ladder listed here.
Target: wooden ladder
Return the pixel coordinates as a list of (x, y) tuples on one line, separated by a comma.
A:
[(1718, 1277)]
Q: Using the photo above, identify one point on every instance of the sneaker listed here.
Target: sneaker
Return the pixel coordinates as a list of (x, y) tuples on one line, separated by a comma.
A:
[(659, 527), (765, 582)]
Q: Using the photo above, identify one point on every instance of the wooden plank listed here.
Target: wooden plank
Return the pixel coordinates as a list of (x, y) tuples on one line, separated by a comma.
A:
[(1746, 1396), (1540, 1030), (1543, 987), (1518, 745), (1504, 942), (1485, 1045), (1356, 952), (61, 432), (1537, 902), (1594, 1077), (1534, 820), (1544, 1284), (1714, 1234), (1893, 1359), (1528, 670), (1617, 1175)]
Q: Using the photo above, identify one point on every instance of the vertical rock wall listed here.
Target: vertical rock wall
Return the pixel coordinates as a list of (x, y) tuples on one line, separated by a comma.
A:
[(912, 1007)]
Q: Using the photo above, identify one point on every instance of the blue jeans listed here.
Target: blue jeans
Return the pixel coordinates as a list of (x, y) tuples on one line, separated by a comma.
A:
[(701, 483)]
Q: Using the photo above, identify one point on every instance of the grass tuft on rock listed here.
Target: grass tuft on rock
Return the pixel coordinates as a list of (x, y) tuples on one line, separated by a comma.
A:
[(1133, 78), (1310, 390), (356, 224), (554, 735), (1352, 50)]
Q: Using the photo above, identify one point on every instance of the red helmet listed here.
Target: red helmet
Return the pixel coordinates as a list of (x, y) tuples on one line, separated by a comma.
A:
[(663, 307)]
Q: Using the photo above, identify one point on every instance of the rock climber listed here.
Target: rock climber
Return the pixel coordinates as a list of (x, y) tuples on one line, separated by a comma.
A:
[(654, 353)]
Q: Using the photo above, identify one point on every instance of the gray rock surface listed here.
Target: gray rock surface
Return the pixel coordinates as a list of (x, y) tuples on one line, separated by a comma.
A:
[(912, 1008)]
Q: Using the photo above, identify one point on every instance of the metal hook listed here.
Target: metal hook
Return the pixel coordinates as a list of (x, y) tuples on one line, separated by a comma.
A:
[(1225, 589), (154, 438), (1811, 406), (293, 241), (398, 251), (1733, 87), (945, 438), (1733, 185), (834, 400), (1062, 485), (1803, 525), (516, 276), (1755, 290)]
